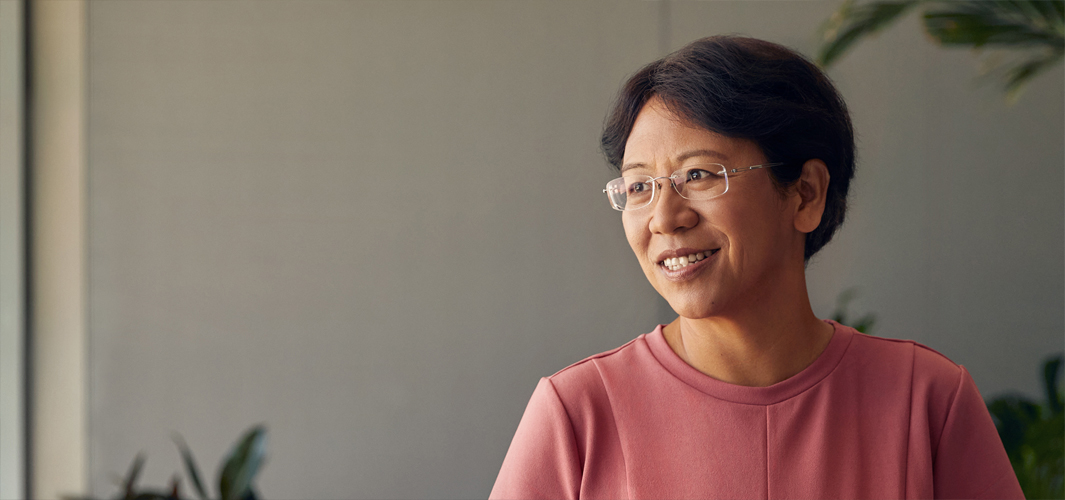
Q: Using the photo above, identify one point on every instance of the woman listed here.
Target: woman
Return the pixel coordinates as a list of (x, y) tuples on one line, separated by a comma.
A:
[(735, 158)]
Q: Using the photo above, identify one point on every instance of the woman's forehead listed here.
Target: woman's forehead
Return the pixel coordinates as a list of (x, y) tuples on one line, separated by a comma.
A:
[(660, 137)]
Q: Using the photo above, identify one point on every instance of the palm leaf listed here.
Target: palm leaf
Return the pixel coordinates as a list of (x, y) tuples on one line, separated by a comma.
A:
[(1014, 24), (131, 477), (242, 464), (150, 495), (1034, 29), (851, 23), (1033, 26), (190, 465), (175, 487), (1051, 369), (1018, 76)]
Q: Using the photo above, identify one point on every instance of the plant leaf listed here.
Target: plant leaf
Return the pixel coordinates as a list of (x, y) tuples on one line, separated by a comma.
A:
[(865, 324), (1014, 23), (841, 315), (151, 495), (1042, 467), (242, 464), (1012, 416), (190, 465), (850, 23), (175, 488), (1050, 382), (1035, 27), (1018, 76), (131, 476)]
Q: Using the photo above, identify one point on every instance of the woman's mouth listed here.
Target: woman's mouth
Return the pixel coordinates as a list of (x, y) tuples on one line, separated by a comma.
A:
[(678, 263)]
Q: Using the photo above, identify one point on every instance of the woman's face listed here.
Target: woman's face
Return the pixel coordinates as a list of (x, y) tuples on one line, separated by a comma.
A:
[(747, 235)]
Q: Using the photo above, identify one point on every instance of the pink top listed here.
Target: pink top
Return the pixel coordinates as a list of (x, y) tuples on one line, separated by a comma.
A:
[(870, 418)]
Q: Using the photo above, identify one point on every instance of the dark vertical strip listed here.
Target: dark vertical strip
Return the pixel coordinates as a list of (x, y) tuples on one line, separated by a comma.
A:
[(27, 246)]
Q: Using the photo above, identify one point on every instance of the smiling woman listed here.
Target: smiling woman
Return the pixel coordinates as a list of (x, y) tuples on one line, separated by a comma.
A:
[(735, 158)]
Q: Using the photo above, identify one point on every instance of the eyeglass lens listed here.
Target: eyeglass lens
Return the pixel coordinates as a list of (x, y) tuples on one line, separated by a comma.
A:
[(695, 182)]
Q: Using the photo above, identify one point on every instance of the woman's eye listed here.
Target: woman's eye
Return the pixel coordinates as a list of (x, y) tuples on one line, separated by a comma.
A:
[(700, 174), (637, 187), (697, 174)]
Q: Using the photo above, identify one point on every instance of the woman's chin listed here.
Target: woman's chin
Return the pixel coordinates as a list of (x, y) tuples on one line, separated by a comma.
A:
[(694, 306)]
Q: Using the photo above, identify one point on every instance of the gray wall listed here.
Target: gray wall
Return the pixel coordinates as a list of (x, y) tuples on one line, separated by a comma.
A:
[(374, 225)]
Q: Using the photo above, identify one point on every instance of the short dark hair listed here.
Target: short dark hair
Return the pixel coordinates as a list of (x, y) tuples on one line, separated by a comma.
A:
[(752, 89)]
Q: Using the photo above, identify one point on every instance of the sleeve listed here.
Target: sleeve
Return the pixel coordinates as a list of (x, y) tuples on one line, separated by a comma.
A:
[(970, 461), (542, 461)]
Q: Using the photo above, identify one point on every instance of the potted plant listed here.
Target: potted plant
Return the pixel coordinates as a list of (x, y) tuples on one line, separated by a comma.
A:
[(235, 478)]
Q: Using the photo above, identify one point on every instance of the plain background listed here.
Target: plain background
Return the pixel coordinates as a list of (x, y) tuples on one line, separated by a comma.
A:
[(374, 225)]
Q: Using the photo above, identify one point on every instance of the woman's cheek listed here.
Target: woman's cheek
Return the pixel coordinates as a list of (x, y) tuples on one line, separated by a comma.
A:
[(637, 236)]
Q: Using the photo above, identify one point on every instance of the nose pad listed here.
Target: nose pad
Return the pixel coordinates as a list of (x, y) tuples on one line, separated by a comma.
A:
[(672, 183), (676, 188)]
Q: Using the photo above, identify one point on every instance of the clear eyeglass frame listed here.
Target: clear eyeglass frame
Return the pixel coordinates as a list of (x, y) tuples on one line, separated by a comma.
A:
[(617, 190)]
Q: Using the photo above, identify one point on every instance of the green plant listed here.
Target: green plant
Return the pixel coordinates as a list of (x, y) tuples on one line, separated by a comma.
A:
[(1034, 30), (1034, 435), (236, 473), (863, 324)]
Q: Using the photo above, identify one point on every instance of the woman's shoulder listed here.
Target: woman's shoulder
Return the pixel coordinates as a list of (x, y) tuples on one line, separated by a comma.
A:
[(587, 377), (931, 375), (926, 362)]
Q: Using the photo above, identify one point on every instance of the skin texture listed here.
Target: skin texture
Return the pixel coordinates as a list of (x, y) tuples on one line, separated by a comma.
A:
[(744, 314)]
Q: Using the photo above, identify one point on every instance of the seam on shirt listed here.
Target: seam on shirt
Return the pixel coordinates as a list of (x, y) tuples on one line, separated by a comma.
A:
[(906, 341), (950, 409), (767, 493), (909, 424), (828, 374), (617, 431), (598, 356), (573, 435), (839, 362)]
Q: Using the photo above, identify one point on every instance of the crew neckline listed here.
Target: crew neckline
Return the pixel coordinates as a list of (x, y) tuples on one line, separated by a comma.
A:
[(776, 393)]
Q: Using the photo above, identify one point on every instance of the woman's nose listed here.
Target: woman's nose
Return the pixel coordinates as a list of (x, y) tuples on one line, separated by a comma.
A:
[(671, 213)]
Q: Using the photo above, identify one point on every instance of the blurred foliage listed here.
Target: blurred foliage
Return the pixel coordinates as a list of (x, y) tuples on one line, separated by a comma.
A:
[(843, 301), (1032, 30), (236, 473), (1034, 435)]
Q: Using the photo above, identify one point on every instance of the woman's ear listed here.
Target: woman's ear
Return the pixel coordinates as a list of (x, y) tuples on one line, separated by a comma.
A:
[(811, 188)]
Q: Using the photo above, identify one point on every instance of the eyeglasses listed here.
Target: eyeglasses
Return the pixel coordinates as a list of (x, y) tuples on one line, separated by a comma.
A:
[(694, 182)]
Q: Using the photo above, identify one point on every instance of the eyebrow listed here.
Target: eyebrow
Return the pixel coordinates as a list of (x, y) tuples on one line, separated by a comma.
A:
[(689, 154)]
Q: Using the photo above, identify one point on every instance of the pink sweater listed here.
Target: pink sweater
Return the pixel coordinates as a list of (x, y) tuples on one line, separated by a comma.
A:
[(870, 418)]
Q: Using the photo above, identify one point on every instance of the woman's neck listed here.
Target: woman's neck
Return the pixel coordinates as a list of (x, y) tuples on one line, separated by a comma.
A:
[(756, 346)]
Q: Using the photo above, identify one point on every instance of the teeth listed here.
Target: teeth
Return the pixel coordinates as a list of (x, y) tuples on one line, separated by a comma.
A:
[(675, 263)]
